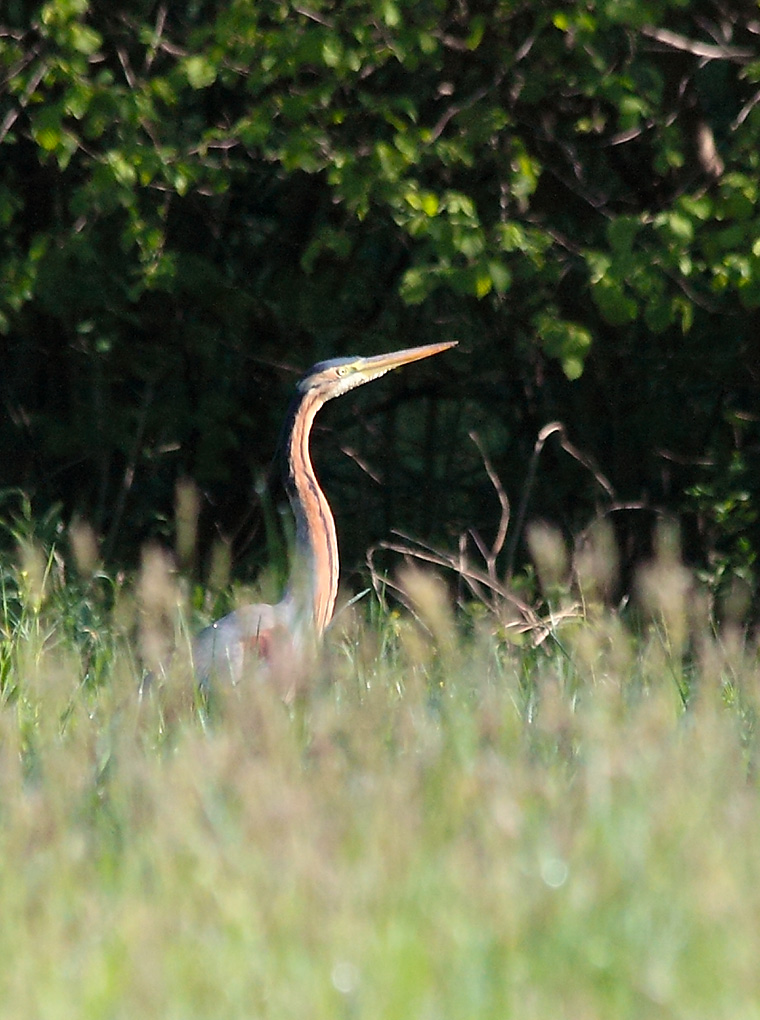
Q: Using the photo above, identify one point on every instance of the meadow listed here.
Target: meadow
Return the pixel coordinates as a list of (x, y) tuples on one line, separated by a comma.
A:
[(449, 817)]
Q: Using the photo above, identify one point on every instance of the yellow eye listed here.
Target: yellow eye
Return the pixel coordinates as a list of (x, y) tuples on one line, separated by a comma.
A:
[(342, 370)]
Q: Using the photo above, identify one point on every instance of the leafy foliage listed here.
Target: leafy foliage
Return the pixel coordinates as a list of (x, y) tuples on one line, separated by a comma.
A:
[(197, 203)]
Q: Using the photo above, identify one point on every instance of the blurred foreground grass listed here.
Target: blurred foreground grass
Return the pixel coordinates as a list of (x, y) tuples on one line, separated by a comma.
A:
[(438, 825)]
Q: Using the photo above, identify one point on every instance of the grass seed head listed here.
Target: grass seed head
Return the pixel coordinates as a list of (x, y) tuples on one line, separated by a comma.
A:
[(597, 563), (549, 553), (186, 511), (84, 546)]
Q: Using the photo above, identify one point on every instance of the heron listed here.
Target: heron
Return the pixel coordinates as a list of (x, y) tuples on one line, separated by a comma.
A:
[(221, 649)]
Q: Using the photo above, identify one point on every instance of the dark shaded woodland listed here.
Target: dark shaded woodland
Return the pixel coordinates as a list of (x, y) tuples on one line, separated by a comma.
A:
[(198, 203)]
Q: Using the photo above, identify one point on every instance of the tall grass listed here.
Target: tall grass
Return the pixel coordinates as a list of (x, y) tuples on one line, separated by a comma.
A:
[(438, 824)]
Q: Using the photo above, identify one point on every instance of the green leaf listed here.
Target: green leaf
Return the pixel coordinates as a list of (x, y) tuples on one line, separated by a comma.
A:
[(686, 310), (658, 313), (123, 171), (48, 135), (680, 226), (598, 263), (525, 173), (77, 100), (57, 12), (85, 39), (477, 31), (483, 284), (200, 71), (416, 284), (390, 14), (470, 242), (732, 238), (511, 236), (568, 342), (332, 50), (500, 275), (621, 233), (700, 208), (430, 203), (615, 306)]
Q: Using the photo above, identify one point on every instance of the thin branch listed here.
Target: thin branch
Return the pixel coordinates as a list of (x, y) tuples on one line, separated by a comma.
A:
[(598, 201), (699, 49), (679, 458), (172, 49), (562, 241), (452, 42), (698, 299), (498, 543), (362, 463), (312, 15), (540, 628), (586, 461), (12, 115), (150, 56), (627, 136), (524, 49), (21, 63), (554, 428), (121, 53), (129, 471), (454, 109), (469, 574), (745, 111)]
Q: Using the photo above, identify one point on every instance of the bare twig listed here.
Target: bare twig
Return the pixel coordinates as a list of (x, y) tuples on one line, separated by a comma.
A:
[(679, 458), (362, 463), (709, 51), (745, 111), (24, 61), (453, 110), (577, 186), (524, 49), (172, 49), (121, 53), (554, 428), (150, 56), (477, 580), (492, 595), (484, 584), (129, 471), (12, 115), (452, 42), (490, 556), (627, 136), (699, 299), (312, 15)]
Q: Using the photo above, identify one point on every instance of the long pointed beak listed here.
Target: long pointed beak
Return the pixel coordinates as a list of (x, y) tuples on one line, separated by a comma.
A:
[(382, 363)]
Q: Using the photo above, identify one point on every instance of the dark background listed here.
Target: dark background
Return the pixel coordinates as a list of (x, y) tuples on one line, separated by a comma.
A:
[(198, 201)]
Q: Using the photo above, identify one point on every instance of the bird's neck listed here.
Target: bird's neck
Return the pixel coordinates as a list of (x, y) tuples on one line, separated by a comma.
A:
[(314, 581)]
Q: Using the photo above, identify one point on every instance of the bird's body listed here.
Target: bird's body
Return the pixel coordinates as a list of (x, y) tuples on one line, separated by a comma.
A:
[(220, 651), (294, 623)]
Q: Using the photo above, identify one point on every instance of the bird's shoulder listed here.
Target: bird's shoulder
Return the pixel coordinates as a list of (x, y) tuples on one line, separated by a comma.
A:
[(222, 646)]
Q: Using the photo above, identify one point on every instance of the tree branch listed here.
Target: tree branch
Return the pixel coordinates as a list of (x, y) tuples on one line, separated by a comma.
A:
[(709, 51)]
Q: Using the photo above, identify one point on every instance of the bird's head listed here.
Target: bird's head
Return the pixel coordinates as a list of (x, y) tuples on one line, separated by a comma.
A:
[(339, 375)]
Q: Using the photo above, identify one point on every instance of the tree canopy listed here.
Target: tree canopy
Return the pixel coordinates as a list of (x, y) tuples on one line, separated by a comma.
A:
[(199, 200)]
